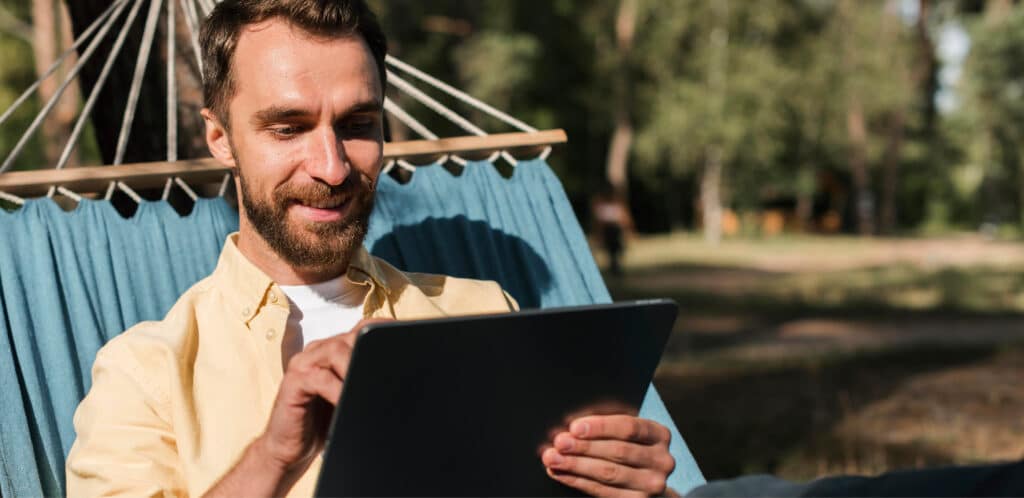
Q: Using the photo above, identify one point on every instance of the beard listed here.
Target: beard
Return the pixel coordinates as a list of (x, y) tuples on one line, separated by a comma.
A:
[(310, 245)]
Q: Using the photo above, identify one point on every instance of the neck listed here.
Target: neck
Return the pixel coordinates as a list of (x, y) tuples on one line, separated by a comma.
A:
[(259, 253)]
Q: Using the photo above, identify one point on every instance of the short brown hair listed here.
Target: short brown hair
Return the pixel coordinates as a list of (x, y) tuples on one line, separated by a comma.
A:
[(322, 18)]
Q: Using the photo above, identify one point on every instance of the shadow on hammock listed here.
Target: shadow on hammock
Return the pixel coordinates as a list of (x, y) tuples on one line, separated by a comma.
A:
[(466, 248)]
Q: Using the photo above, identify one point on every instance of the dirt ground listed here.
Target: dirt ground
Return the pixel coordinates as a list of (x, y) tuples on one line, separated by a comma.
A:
[(817, 356)]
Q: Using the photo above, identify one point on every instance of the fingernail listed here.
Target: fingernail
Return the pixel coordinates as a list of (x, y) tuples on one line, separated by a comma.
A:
[(564, 444), (581, 429), (555, 458)]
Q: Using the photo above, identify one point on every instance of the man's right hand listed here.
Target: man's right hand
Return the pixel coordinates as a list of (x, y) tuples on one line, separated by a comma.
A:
[(305, 401), (299, 421)]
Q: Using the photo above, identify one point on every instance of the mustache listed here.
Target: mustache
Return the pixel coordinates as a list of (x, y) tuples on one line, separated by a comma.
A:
[(322, 192)]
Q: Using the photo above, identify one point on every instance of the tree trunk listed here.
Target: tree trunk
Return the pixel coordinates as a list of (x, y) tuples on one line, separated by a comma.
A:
[(44, 48), (622, 137), (857, 136), (1020, 194), (888, 216), (191, 127), (925, 75), (148, 138), (890, 173), (49, 32), (995, 14), (66, 112), (805, 185), (711, 181), (997, 10), (710, 195)]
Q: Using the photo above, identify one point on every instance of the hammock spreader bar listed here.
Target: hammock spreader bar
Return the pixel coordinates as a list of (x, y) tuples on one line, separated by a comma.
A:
[(203, 171)]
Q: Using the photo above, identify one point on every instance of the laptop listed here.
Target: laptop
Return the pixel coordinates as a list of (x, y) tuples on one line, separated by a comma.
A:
[(463, 406)]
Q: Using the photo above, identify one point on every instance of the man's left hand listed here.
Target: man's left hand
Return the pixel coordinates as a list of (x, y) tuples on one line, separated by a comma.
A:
[(612, 455)]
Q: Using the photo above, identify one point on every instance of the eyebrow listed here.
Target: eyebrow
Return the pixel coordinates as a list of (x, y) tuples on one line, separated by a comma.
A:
[(276, 113), (365, 107)]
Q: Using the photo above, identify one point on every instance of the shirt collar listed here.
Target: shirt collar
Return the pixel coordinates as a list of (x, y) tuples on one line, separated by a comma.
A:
[(364, 269), (248, 286)]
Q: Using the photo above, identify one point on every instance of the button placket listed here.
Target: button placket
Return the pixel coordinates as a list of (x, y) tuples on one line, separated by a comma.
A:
[(270, 325)]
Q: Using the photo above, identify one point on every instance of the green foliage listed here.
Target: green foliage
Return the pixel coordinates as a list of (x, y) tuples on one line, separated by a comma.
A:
[(17, 73), (769, 83), (991, 123), (775, 97), (686, 111), (495, 65), (779, 111)]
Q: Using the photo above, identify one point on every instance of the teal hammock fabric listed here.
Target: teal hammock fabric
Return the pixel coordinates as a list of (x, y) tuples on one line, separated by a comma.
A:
[(71, 281)]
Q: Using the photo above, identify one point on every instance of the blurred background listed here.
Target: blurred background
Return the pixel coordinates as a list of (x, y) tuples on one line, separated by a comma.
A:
[(833, 190)]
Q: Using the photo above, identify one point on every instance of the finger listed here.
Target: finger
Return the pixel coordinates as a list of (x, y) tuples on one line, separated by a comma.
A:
[(299, 387), (605, 472), (326, 384), (307, 358), (337, 357), (320, 382), (591, 487), (655, 457), (332, 354), (620, 427)]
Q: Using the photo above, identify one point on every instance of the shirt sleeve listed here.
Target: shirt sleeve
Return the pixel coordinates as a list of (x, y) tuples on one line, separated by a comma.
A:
[(125, 445)]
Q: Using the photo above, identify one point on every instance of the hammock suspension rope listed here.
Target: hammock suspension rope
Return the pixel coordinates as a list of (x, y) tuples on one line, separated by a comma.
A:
[(99, 29)]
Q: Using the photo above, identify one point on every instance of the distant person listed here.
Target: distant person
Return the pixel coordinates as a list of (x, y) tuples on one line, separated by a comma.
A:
[(613, 222)]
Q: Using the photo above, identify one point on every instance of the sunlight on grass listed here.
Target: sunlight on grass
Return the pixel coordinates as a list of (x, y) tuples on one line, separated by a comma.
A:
[(968, 274), (805, 356)]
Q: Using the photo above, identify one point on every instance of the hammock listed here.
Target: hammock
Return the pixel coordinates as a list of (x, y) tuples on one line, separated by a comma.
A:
[(70, 281)]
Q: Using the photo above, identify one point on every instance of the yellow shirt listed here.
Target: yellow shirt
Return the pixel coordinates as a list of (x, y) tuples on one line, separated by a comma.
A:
[(174, 403)]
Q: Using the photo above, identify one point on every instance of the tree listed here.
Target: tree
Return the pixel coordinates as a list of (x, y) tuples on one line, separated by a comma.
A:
[(920, 71), (620, 147), (993, 89), (712, 107), (51, 34), (17, 73)]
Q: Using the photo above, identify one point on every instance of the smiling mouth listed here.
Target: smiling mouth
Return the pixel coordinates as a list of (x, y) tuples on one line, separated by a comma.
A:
[(330, 210), (334, 203)]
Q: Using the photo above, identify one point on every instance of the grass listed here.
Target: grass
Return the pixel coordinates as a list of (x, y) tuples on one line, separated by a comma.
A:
[(808, 356), (962, 275)]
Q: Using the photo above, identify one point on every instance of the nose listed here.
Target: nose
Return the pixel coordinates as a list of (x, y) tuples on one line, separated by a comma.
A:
[(329, 163)]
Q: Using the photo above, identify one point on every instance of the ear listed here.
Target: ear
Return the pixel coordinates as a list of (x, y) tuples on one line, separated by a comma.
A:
[(217, 139)]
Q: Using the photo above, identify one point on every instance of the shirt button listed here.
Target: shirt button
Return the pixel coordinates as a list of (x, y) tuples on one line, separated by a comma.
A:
[(273, 297), (246, 311), (270, 334)]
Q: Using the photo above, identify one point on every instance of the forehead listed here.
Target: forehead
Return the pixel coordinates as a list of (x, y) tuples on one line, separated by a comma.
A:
[(276, 63)]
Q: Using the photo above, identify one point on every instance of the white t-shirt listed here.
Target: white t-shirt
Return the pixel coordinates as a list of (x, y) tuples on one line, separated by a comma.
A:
[(323, 310)]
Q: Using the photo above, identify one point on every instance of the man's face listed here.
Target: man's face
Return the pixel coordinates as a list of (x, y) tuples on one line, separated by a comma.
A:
[(306, 136)]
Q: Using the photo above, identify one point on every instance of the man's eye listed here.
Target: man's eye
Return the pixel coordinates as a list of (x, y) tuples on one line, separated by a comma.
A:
[(285, 131), (359, 126)]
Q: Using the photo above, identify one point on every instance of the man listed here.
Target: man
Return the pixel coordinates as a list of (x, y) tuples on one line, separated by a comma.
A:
[(229, 395)]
